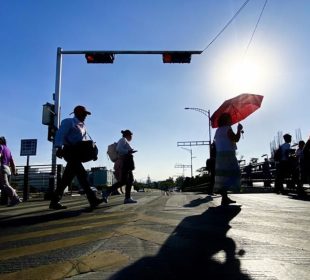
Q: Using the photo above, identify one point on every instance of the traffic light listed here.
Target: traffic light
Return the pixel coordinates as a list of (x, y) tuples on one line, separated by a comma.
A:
[(48, 114), (96, 57), (177, 57), (51, 133)]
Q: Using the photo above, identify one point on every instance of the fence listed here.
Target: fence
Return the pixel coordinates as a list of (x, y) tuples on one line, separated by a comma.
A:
[(35, 178), (39, 178)]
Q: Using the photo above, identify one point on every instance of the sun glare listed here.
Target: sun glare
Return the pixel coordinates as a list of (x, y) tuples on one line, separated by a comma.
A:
[(245, 75), (239, 74)]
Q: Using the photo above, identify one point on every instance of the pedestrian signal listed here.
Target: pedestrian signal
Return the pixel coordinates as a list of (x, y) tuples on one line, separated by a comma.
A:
[(51, 132)]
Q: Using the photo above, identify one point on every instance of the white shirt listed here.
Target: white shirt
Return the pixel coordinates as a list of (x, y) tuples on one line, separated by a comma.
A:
[(222, 141), (123, 146), (71, 131)]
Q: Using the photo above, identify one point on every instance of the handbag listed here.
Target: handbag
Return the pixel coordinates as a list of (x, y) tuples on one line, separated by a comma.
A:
[(86, 150), (82, 151)]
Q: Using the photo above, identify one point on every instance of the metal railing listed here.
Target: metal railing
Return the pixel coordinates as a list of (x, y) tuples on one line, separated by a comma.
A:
[(34, 178)]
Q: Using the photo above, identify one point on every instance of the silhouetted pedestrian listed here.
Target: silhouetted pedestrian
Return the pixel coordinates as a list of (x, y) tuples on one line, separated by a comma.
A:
[(266, 173), (248, 173), (227, 170), (284, 168), (306, 153), (71, 132), (123, 168), (298, 172), (7, 167)]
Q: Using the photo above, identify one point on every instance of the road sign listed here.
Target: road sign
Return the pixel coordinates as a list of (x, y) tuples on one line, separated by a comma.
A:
[(28, 147)]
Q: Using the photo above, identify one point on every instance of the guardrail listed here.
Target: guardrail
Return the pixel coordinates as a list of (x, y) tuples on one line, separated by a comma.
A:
[(34, 178)]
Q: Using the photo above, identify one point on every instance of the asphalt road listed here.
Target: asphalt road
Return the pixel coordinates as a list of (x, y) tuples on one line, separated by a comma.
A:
[(176, 236)]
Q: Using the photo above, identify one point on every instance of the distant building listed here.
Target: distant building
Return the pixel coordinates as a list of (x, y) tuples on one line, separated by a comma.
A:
[(101, 176)]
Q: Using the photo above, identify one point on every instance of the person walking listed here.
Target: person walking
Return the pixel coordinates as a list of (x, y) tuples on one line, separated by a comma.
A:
[(7, 168), (298, 172), (227, 170), (123, 168), (71, 132), (284, 168), (306, 154)]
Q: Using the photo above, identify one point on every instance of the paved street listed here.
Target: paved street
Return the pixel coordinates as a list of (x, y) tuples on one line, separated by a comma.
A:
[(177, 236)]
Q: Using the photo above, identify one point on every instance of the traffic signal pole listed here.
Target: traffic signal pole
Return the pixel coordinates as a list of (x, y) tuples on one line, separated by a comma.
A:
[(56, 97), (168, 57)]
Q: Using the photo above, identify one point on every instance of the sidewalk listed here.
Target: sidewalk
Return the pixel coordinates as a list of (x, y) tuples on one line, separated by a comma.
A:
[(181, 236)]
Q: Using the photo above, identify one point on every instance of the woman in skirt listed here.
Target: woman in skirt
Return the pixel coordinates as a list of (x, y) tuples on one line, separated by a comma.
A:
[(227, 170)]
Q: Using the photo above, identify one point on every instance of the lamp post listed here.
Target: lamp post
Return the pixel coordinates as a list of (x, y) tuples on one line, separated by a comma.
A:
[(206, 113), (191, 152)]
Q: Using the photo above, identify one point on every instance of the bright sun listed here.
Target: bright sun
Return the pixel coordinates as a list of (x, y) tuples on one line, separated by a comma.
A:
[(238, 73), (245, 75)]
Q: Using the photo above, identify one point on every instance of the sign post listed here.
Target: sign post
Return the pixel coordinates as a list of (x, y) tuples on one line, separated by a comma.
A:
[(28, 148)]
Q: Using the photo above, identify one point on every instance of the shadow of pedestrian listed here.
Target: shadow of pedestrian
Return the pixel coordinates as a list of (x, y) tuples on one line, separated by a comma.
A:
[(198, 201), (189, 253)]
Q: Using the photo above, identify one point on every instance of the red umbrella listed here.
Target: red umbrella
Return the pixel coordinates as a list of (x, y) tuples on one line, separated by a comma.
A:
[(238, 107)]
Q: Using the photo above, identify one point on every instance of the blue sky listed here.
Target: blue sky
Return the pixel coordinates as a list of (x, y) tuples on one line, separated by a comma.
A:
[(141, 93)]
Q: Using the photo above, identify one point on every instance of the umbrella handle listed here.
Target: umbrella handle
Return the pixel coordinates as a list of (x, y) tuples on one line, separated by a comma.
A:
[(241, 131)]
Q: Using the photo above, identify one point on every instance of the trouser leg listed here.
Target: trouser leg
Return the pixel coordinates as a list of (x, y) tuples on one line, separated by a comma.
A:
[(115, 186), (124, 180), (66, 180), (278, 184), (8, 190), (129, 183), (81, 175)]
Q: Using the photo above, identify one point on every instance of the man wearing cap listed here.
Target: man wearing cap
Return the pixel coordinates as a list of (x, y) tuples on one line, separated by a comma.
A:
[(70, 132)]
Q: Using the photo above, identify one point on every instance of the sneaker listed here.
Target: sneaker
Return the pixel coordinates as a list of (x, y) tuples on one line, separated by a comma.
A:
[(15, 201), (105, 196), (96, 202), (57, 206), (129, 200)]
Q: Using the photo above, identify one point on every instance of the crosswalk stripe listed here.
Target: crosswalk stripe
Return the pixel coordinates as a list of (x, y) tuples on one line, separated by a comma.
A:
[(47, 246), (99, 260), (58, 230), (52, 245), (91, 216)]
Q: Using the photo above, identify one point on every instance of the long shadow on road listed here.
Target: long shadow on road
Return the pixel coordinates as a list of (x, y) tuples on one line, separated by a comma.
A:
[(189, 252)]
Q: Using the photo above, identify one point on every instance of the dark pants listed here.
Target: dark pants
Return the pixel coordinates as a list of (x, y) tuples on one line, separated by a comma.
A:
[(284, 171), (74, 168)]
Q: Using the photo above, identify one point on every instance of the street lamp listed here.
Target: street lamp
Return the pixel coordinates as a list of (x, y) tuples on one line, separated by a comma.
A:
[(191, 152), (206, 113)]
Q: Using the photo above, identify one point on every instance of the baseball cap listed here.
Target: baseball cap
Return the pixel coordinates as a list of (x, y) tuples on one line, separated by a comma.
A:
[(126, 132), (80, 109)]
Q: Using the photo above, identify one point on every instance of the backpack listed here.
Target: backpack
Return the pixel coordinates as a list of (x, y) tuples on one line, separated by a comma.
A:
[(112, 153)]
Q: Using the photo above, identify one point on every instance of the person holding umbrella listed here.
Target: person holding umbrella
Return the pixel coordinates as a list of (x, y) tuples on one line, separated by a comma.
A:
[(234, 110), (227, 170)]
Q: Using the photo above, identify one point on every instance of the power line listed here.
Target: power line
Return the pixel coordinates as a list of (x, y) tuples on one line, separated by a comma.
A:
[(228, 23), (261, 13)]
